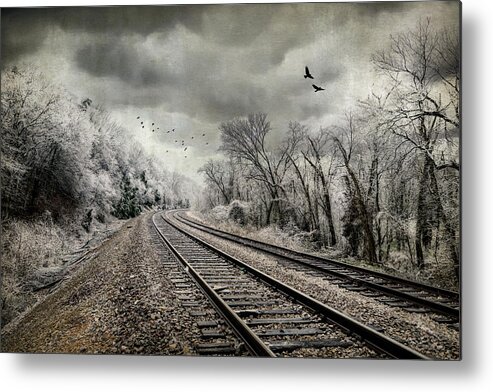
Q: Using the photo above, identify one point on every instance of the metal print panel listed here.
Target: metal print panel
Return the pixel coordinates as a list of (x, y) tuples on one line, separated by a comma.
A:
[(271, 180)]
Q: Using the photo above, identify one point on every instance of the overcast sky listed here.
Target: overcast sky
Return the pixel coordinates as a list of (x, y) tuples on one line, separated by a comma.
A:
[(192, 67)]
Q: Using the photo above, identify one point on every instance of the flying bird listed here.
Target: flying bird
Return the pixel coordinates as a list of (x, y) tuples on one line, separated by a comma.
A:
[(207, 143), (166, 132), (185, 149), (138, 117), (185, 156), (142, 126), (317, 88), (307, 73), (176, 141), (192, 137), (142, 122), (173, 130), (203, 134), (152, 124), (153, 130)]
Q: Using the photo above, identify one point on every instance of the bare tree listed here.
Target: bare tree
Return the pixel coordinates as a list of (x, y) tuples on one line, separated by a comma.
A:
[(423, 67), (245, 140), (345, 144), (316, 149), (302, 174), (218, 176)]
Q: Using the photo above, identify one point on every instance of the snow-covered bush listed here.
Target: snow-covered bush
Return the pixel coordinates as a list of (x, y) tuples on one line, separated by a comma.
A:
[(238, 212)]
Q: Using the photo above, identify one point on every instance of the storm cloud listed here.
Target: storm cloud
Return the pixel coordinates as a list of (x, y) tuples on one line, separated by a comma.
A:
[(193, 67), (124, 62)]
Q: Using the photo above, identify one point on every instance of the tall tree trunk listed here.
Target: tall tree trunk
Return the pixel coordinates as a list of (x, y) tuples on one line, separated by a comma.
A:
[(275, 210), (327, 207), (306, 193), (330, 220), (428, 209), (370, 246), (450, 234)]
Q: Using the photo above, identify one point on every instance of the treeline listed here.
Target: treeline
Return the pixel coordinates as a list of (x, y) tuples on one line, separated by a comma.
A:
[(383, 184), (69, 158)]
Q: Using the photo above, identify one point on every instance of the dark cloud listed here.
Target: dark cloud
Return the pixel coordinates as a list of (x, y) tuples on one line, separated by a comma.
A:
[(20, 34), (192, 67), (25, 29), (288, 25), (116, 59), (237, 24), (118, 19)]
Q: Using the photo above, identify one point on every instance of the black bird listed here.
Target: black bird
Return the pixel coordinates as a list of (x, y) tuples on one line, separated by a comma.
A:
[(317, 88), (185, 149), (166, 132), (192, 137), (203, 134), (166, 150), (173, 130), (185, 156), (176, 141), (142, 122), (152, 124), (142, 126), (138, 117), (157, 127), (207, 143), (307, 73), (153, 130)]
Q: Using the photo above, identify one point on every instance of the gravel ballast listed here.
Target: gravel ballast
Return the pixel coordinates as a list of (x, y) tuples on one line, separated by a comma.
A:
[(122, 300), (119, 301), (418, 331)]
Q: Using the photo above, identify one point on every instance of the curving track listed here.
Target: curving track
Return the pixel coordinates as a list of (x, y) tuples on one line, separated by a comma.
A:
[(269, 317), (393, 291)]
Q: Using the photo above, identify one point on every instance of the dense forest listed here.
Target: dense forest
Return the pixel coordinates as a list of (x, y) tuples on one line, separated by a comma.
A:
[(382, 185), (67, 170), (71, 159)]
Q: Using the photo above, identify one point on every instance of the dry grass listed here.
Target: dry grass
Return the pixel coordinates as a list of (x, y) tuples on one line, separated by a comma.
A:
[(437, 272), (27, 247), (289, 237)]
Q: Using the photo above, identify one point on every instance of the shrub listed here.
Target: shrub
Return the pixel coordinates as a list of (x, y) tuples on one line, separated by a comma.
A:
[(220, 213), (27, 247), (237, 212), (128, 206)]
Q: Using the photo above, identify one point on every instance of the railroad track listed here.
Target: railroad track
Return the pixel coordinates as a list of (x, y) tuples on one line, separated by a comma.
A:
[(393, 291), (270, 318)]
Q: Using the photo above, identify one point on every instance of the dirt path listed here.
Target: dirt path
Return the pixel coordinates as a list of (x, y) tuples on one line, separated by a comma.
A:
[(120, 301)]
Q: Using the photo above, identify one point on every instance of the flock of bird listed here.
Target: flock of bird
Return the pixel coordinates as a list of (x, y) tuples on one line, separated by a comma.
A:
[(307, 75), (171, 131)]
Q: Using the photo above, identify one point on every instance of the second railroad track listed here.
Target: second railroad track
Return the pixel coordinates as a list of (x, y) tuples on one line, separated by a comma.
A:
[(271, 318), (405, 294)]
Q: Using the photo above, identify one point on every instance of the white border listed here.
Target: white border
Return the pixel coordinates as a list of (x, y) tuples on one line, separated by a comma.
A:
[(473, 373)]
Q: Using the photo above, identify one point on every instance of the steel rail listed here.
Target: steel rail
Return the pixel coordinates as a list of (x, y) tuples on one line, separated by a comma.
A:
[(375, 339), (436, 290), (274, 250), (252, 341)]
